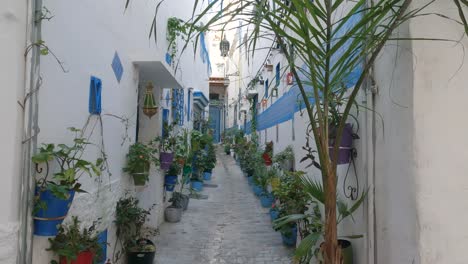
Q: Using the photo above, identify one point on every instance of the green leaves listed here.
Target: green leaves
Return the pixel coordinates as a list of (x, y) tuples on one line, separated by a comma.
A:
[(71, 240)]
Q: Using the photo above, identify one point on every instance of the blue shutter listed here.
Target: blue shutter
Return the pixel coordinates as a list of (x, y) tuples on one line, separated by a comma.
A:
[(278, 74), (95, 87), (181, 107), (188, 105), (266, 89)]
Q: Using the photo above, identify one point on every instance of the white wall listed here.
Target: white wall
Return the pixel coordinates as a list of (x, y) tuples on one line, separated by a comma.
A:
[(12, 67), (440, 80), (396, 227), (85, 35)]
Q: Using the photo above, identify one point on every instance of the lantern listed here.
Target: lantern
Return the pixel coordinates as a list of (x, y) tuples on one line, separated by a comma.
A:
[(264, 102), (149, 106), (274, 92), (224, 46)]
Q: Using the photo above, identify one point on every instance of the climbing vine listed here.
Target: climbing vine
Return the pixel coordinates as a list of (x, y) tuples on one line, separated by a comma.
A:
[(176, 27)]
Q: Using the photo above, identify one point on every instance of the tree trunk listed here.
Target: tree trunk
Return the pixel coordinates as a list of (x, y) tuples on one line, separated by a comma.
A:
[(332, 250)]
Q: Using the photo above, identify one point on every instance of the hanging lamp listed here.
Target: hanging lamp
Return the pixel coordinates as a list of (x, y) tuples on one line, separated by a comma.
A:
[(224, 46), (149, 106)]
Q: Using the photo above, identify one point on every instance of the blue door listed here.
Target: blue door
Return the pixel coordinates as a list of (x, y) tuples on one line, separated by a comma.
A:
[(215, 122)]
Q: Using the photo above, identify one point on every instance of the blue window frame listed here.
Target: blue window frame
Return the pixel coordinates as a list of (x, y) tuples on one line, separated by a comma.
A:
[(278, 69), (95, 87)]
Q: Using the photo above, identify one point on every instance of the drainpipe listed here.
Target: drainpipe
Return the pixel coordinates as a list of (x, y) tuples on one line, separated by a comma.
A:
[(370, 161), (32, 82)]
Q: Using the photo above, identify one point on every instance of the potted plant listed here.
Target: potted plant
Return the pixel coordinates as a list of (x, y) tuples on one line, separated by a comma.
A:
[(227, 148), (173, 213), (209, 162), (198, 164), (55, 191), (75, 245), (285, 158), (166, 144), (139, 159), (170, 179), (132, 233), (268, 153)]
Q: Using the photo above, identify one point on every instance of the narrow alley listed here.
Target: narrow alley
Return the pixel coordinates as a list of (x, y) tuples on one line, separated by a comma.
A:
[(228, 227)]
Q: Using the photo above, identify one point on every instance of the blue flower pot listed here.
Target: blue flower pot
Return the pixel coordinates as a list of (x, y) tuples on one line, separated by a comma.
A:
[(266, 200), (290, 238), (257, 189), (102, 238), (250, 180), (207, 176), (170, 182), (274, 214), (197, 186), (46, 220)]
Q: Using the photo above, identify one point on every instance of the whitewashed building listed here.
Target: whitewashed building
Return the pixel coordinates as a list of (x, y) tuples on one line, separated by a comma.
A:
[(43, 95), (411, 154)]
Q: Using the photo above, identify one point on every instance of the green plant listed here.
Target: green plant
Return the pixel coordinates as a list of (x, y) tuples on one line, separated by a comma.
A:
[(130, 221), (177, 200), (139, 158), (71, 166), (313, 228), (174, 169), (283, 156), (168, 141), (176, 27), (291, 193), (71, 240), (182, 146)]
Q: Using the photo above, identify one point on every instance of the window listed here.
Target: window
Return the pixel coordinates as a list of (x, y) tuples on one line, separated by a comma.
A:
[(278, 79), (95, 87), (266, 89), (178, 106)]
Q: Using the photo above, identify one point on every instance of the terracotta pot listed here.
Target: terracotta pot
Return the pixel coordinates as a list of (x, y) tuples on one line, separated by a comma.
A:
[(85, 257)]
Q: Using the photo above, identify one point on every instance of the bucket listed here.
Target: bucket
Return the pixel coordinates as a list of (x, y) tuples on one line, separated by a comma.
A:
[(197, 185), (46, 220), (141, 257), (274, 214), (257, 189), (266, 200), (250, 180), (170, 182), (344, 152), (207, 176), (166, 159), (173, 214), (289, 238)]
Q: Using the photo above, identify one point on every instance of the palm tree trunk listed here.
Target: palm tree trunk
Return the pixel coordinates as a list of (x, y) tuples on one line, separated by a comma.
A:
[(332, 250)]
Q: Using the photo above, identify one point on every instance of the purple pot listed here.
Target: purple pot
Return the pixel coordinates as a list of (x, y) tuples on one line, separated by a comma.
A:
[(166, 159), (344, 153)]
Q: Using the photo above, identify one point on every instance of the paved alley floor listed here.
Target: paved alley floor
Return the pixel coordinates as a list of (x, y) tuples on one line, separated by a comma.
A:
[(230, 227)]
